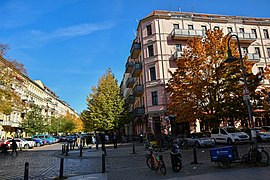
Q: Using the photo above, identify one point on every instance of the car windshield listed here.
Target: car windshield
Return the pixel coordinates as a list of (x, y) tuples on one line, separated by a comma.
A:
[(199, 135), (232, 130)]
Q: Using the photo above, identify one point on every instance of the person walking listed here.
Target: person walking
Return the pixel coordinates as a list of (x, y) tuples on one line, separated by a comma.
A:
[(114, 137), (14, 147)]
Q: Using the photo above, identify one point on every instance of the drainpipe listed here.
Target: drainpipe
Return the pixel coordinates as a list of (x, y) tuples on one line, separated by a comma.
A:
[(262, 45)]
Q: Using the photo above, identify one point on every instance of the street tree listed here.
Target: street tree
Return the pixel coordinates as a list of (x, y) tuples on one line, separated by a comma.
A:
[(105, 105), (203, 86)]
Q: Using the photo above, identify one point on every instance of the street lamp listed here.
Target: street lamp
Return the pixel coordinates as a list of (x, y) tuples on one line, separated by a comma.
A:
[(246, 92)]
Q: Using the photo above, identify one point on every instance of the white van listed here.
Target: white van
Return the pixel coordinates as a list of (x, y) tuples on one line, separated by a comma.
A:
[(229, 135)]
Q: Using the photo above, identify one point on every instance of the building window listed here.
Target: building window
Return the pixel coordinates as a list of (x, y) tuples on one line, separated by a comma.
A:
[(257, 50), (268, 52), (253, 31), (175, 26), (204, 28), (245, 50), (216, 28), (190, 27), (241, 30), (150, 51), (152, 71), (229, 29), (265, 33), (149, 30), (154, 98), (178, 47)]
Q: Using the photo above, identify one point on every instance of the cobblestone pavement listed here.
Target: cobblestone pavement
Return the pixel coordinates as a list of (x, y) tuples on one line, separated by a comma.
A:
[(121, 163)]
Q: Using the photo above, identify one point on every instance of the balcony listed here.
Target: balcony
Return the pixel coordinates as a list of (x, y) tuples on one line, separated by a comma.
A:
[(135, 50), (253, 57), (177, 55), (15, 124), (130, 82), (129, 66), (184, 34), (138, 90), (7, 123), (139, 111), (246, 37), (130, 99), (137, 69)]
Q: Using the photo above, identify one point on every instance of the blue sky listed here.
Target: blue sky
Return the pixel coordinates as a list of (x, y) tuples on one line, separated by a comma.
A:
[(69, 44)]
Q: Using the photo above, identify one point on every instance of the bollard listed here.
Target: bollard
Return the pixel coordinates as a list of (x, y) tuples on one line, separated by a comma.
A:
[(20, 146), (61, 174), (195, 156), (81, 150), (63, 149), (103, 163), (133, 149), (67, 150), (26, 171)]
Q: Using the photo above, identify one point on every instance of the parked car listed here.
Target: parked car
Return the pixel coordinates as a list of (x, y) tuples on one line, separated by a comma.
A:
[(21, 143), (200, 139), (3, 147), (38, 141), (262, 134), (229, 135), (45, 137), (71, 138), (63, 138)]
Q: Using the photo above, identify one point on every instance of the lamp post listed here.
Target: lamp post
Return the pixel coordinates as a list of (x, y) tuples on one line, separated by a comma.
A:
[(246, 92)]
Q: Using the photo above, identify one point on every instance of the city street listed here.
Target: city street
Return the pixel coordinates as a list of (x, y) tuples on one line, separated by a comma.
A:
[(121, 163)]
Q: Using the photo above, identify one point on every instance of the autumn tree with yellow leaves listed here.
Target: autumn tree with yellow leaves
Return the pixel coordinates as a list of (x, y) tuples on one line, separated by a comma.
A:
[(204, 87)]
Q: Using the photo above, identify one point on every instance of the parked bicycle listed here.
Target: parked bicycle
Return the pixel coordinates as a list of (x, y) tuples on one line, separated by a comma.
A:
[(256, 155), (154, 161)]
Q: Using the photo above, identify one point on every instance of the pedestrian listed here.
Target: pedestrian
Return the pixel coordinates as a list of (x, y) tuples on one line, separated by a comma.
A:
[(97, 140), (14, 147), (114, 138)]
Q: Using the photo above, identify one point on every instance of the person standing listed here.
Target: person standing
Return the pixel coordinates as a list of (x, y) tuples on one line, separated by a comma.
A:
[(14, 147), (114, 140)]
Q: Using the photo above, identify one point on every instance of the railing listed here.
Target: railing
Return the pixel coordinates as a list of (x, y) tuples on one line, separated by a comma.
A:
[(185, 33)]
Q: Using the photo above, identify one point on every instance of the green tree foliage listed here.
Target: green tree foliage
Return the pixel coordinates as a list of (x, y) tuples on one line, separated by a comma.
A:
[(203, 86), (105, 105), (34, 121)]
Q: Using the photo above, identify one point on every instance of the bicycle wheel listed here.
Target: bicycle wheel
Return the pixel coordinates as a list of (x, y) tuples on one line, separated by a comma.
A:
[(262, 158), (224, 162), (245, 159), (150, 163), (162, 167), (177, 165)]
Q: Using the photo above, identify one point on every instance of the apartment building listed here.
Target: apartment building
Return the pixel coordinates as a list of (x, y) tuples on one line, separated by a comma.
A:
[(160, 40), (31, 92)]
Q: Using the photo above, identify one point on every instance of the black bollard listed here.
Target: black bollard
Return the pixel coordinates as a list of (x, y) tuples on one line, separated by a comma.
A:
[(195, 156), (81, 150), (103, 163), (26, 171), (67, 150), (63, 149), (61, 174), (133, 149)]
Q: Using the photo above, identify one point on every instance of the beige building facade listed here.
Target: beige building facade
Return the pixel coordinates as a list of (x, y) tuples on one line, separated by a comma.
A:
[(160, 40), (31, 92)]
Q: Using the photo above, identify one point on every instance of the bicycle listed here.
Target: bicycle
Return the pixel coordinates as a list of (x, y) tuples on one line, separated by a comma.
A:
[(155, 161), (256, 155)]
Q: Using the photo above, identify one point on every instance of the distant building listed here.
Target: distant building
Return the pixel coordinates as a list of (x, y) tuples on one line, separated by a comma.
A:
[(31, 92), (161, 38)]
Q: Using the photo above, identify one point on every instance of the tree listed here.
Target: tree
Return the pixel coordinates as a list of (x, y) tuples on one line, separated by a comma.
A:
[(11, 80), (203, 86), (105, 105), (34, 121)]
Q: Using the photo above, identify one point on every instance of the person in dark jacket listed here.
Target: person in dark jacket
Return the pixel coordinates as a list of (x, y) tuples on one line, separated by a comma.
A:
[(14, 147)]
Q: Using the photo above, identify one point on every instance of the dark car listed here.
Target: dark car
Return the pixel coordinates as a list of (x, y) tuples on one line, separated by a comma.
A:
[(63, 138), (71, 138)]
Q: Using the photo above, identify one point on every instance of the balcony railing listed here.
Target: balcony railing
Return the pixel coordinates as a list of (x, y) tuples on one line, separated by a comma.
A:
[(137, 69), (253, 57), (246, 37), (129, 66), (135, 50), (15, 124), (139, 111), (130, 99), (7, 123), (130, 82), (138, 90), (177, 55), (184, 34)]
